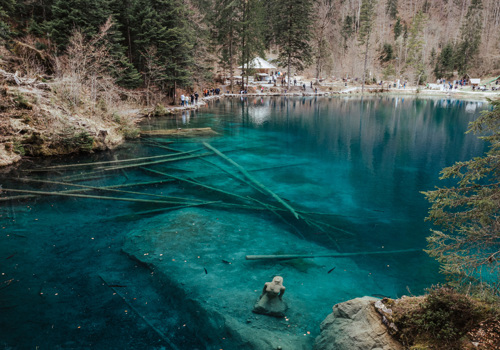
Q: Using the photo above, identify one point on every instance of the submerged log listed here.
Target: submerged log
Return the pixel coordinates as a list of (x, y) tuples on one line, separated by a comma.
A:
[(96, 163), (252, 179), (107, 188), (196, 183), (170, 159), (65, 194), (333, 255), (194, 132), (11, 198)]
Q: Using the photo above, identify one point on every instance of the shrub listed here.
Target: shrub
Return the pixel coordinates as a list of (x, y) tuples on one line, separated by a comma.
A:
[(18, 148), (21, 102), (442, 318), (130, 132), (81, 141)]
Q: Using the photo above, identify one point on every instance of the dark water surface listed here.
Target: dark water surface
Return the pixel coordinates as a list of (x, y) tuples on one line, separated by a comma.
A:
[(355, 166)]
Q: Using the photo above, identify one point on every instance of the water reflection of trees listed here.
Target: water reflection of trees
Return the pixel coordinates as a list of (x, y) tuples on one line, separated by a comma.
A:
[(392, 138)]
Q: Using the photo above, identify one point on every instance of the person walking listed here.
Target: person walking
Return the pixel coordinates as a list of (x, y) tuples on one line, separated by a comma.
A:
[(196, 97), (182, 99)]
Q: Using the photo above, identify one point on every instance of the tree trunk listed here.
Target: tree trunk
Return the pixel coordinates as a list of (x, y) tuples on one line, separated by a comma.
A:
[(364, 66), (289, 71), (231, 73)]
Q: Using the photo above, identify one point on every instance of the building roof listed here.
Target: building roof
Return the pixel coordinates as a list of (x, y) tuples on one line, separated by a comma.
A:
[(259, 63)]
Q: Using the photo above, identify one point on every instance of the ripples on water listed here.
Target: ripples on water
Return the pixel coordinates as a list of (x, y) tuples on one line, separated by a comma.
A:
[(362, 162)]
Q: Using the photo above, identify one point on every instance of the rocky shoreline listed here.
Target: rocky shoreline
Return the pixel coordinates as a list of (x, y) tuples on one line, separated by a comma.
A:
[(35, 124), (355, 325)]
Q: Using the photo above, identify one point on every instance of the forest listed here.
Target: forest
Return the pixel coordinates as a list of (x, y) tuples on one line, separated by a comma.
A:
[(163, 45)]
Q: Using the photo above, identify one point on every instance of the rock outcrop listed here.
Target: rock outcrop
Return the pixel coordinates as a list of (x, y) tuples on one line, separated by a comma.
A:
[(355, 325)]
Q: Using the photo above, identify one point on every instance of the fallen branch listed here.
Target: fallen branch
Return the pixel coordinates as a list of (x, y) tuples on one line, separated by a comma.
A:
[(158, 161), (168, 209), (333, 255), (86, 190), (98, 188), (197, 184), (180, 132), (251, 178), (96, 163), (272, 210), (278, 167), (63, 194)]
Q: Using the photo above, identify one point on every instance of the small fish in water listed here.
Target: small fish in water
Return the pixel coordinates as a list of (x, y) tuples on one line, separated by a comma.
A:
[(332, 269), (226, 262), (117, 286), (206, 272), (10, 256)]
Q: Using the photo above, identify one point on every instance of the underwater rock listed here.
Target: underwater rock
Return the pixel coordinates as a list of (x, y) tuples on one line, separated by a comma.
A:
[(270, 306), (270, 302), (355, 325)]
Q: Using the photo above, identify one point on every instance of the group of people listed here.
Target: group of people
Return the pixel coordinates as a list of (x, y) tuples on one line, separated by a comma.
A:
[(213, 92), (193, 98)]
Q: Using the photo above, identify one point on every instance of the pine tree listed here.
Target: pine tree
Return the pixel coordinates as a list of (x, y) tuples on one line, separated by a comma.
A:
[(416, 45), (162, 24), (398, 28), (468, 48), (67, 15), (88, 16), (365, 31), (249, 28), (6, 9), (225, 35), (468, 248), (293, 31), (391, 8), (347, 31), (445, 62), (387, 53), (324, 12)]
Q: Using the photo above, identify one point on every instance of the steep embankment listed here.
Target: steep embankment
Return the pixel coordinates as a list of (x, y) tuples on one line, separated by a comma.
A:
[(39, 119)]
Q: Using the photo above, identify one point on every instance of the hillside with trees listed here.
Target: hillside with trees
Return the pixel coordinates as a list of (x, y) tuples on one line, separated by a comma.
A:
[(98, 61), (162, 45)]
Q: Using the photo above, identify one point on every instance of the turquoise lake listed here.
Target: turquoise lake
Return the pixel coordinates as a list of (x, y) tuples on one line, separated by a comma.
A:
[(351, 169)]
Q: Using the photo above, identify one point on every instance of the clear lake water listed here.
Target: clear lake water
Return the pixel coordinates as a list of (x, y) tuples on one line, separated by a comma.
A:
[(352, 168)]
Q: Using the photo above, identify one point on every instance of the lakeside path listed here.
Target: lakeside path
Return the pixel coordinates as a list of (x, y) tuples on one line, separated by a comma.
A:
[(354, 91)]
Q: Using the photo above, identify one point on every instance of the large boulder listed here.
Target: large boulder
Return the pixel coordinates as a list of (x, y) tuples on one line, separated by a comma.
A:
[(355, 325)]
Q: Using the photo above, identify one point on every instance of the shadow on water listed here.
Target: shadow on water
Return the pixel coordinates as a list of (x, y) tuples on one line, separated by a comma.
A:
[(352, 169)]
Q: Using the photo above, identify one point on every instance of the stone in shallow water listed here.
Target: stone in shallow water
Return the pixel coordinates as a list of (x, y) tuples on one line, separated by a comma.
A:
[(270, 306), (355, 324)]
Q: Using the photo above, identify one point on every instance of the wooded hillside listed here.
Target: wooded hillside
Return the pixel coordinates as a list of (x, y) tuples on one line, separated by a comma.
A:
[(161, 45)]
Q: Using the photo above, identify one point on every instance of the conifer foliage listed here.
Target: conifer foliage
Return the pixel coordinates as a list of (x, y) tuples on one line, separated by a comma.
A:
[(293, 32), (469, 212), (193, 40)]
